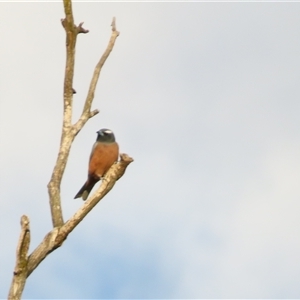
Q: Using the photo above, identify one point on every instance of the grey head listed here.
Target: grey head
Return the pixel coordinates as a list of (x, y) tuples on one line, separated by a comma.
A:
[(105, 136)]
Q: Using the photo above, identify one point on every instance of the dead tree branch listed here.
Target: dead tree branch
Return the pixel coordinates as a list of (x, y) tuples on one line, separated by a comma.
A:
[(69, 131), (57, 236), (86, 113), (66, 137)]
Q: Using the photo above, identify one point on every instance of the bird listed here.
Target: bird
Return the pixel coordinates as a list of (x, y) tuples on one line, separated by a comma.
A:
[(105, 153)]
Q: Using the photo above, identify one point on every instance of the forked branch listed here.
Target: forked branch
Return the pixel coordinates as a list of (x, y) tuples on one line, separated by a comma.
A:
[(69, 131)]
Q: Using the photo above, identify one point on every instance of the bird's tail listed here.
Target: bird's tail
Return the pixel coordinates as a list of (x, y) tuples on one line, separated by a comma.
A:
[(86, 189)]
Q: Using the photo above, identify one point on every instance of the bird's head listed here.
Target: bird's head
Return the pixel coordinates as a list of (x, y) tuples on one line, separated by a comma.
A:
[(106, 136)]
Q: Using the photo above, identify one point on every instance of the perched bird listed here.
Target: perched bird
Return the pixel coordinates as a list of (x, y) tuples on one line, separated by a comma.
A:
[(104, 153)]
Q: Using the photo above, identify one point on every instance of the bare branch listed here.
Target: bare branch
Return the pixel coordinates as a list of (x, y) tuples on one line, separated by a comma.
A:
[(57, 236), (91, 93), (68, 134), (20, 272), (54, 184), (115, 172), (47, 246)]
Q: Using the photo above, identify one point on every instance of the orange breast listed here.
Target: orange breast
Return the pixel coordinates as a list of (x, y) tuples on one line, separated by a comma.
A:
[(102, 158)]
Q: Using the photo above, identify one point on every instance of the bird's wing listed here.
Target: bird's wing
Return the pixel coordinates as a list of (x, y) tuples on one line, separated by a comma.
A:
[(93, 149)]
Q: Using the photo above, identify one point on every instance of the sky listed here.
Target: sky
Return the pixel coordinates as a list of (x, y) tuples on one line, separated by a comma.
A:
[(205, 98)]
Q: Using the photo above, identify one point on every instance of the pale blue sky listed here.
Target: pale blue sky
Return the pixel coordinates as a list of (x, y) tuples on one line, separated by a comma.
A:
[(205, 98)]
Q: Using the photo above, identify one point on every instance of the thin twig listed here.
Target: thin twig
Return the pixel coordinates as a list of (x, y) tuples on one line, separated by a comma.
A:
[(80, 29), (98, 68)]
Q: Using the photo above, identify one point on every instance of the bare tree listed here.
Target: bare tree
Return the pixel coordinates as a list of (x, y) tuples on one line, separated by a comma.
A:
[(26, 264)]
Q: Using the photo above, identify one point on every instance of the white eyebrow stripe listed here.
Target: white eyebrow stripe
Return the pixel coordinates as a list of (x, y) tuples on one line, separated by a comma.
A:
[(108, 131)]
